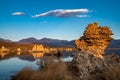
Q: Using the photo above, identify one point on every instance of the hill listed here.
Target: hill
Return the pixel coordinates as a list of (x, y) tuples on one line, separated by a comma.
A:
[(53, 42), (48, 42), (114, 43)]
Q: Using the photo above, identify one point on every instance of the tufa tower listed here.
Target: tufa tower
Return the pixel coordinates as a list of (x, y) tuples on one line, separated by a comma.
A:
[(95, 39)]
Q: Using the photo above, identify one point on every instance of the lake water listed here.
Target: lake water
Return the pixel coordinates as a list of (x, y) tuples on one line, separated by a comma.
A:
[(11, 64)]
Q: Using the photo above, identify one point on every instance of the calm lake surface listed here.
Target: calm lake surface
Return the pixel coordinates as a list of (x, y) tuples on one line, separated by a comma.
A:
[(11, 64)]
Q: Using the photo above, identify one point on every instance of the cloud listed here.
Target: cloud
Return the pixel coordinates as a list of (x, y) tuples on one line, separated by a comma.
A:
[(65, 13), (18, 13)]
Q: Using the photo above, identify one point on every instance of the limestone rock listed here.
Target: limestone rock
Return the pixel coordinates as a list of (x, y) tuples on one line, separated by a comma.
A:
[(84, 65), (95, 39), (89, 60)]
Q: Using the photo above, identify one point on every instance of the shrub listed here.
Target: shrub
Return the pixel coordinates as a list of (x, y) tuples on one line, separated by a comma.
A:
[(53, 71)]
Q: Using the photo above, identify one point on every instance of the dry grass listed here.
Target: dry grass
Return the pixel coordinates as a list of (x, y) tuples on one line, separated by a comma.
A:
[(24, 74), (54, 71)]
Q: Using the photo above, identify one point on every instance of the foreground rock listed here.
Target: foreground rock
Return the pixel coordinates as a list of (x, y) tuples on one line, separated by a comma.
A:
[(95, 39), (89, 63), (87, 67)]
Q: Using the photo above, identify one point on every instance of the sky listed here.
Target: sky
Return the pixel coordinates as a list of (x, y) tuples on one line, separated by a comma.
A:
[(57, 19)]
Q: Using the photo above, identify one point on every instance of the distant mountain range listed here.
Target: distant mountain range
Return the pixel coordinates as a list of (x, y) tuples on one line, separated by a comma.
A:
[(5, 40), (56, 42), (114, 44), (45, 41)]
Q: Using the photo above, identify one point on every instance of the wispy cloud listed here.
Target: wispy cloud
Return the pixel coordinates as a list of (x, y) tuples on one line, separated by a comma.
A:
[(18, 13), (65, 13)]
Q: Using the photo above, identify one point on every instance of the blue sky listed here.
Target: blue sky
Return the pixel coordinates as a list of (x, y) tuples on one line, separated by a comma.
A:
[(58, 19)]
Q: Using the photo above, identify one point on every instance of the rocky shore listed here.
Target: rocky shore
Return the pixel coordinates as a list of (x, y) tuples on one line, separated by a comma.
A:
[(87, 67)]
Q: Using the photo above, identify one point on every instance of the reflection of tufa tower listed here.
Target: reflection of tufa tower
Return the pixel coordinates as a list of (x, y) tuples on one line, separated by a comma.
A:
[(38, 51), (3, 54), (18, 51), (3, 51), (37, 55)]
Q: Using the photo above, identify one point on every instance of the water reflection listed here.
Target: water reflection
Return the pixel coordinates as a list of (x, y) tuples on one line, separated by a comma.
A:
[(18, 53), (3, 49), (10, 63), (2, 54), (37, 55), (11, 66)]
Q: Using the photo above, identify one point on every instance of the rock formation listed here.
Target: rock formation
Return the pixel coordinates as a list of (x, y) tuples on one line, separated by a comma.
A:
[(87, 63), (85, 66), (95, 39), (4, 50)]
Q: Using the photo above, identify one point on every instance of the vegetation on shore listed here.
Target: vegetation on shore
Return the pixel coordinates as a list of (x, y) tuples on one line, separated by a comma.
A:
[(52, 71), (62, 71)]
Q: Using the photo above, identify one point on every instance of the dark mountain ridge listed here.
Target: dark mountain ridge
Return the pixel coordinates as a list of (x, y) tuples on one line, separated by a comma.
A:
[(55, 42), (114, 43), (5, 40), (45, 41), (28, 41)]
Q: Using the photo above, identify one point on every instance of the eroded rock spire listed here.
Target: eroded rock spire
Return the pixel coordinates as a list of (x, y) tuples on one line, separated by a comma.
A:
[(95, 39)]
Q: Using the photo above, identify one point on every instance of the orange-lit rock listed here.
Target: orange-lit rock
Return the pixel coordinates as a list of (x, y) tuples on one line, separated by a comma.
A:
[(3, 49), (95, 39)]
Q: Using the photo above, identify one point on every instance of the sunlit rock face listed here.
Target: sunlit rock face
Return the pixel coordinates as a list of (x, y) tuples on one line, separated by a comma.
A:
[(95, 39)]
